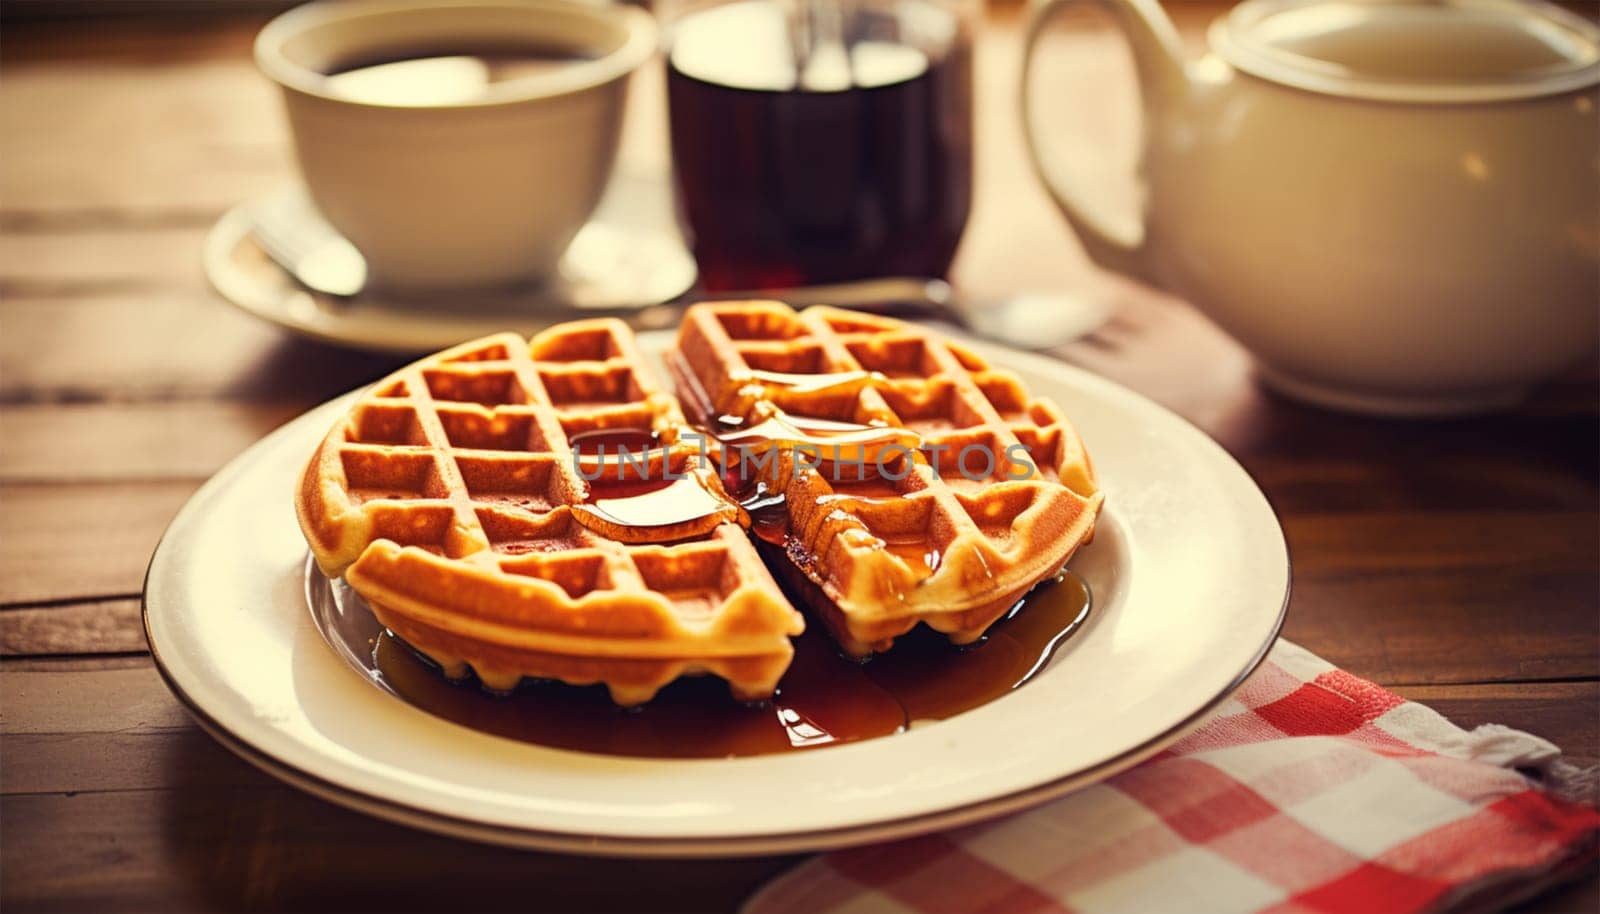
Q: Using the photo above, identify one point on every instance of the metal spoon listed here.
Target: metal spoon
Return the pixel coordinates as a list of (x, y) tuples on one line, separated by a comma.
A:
[(295, 236)]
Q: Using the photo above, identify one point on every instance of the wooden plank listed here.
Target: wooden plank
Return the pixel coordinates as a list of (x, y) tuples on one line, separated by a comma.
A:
[(123, 441), (1566, 713), (161, 345), (1335, 546), (81, 541), (196, 37), (1448, 597), (1525, 481), (104, 627), (68, 262), (1401, 632), (74, 663), (1475, 450), (214, 847), (110, 701), (185, 142)]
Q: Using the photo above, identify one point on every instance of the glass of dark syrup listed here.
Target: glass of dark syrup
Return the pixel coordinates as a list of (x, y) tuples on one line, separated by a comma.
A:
[(819, 141)]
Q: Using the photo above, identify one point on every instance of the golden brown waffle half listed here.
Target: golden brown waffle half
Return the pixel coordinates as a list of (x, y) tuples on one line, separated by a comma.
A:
[(449, 498), (960, 537)]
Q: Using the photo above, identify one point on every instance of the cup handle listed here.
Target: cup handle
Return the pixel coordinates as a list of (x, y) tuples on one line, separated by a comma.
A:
[(1115, 241)]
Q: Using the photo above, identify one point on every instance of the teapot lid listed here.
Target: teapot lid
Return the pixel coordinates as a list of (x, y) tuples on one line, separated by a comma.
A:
[(1413, 50)]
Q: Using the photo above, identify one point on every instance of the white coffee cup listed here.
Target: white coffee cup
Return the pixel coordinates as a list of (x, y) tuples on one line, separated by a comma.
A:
[(478, 191)]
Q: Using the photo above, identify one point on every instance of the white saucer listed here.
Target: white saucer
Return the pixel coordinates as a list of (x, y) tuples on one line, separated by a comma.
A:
[(629, 257), (1190, 577)]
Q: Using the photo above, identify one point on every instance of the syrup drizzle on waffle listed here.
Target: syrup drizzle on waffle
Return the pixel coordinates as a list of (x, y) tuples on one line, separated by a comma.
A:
[(661, 503), (813, 383)]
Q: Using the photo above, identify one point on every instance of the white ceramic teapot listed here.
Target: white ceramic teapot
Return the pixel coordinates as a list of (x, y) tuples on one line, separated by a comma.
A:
[(1394, 204)]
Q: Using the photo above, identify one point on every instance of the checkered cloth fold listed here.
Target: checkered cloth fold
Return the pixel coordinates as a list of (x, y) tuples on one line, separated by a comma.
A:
[(1310, 790)]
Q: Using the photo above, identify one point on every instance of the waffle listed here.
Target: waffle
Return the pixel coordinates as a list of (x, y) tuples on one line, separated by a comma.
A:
[(956, 540), (450, 499)]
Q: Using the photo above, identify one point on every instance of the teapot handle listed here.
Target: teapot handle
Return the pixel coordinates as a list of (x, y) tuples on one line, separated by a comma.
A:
[(1115, 241)]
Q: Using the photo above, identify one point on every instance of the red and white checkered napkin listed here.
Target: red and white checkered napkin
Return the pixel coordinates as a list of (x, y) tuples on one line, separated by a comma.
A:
[(1311, 790)]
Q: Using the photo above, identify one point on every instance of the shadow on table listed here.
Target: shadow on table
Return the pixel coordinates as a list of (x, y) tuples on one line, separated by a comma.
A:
[(238, 839), (301, 369)]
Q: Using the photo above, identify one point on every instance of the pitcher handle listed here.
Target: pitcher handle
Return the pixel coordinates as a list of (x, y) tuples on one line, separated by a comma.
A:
[(1115, 241)]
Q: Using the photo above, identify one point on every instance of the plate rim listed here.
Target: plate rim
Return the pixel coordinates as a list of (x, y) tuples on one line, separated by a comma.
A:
[(754, 843), (743, 845)]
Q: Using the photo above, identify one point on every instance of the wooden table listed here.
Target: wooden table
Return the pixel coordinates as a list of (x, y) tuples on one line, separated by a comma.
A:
[(1453, 561)]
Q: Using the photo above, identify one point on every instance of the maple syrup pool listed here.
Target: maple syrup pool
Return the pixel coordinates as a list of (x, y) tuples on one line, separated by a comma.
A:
[(825, 699)]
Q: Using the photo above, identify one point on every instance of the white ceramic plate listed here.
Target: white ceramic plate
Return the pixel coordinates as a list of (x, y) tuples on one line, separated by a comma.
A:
[(1190, 577)]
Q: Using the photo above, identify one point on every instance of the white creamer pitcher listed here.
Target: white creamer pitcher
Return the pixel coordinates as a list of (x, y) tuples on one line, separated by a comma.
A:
[(1394, 204)]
